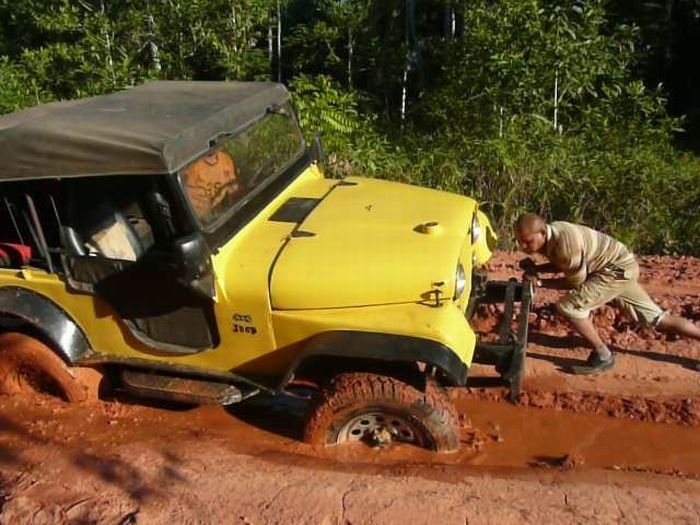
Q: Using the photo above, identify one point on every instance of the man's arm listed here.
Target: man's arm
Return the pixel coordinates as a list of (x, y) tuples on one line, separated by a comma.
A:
[(547, 268), (529, 267), (555, 284), (531, 273)]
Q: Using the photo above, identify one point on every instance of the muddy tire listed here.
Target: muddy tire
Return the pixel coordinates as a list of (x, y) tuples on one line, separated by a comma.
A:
[(365, 407), (28, 365)]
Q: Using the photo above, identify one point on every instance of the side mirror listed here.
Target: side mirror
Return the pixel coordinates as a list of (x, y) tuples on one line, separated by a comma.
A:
[(192, 255), (317, 152), (160, 208), (193, 258)]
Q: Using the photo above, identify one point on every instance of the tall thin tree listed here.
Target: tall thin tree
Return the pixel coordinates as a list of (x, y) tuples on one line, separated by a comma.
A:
[(279, 42)]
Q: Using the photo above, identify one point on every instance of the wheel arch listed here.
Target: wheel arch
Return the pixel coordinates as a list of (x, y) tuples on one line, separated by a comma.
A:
[(26, 311), (394, 355)]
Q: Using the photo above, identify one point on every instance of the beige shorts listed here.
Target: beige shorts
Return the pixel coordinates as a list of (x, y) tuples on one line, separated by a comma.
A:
[(601, 288)]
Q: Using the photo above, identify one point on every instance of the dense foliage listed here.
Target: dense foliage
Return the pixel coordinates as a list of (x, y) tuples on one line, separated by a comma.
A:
[(526, 104)]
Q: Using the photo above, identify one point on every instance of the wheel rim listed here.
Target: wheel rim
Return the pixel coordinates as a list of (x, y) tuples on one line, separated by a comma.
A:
[(379, 428)]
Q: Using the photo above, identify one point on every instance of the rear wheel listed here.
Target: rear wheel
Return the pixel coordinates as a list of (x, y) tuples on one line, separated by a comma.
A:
[(381, 410), (28, 365)]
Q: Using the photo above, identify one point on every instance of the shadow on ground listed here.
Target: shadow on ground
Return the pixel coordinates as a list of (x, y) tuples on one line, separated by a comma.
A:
[(282, 414), (108, 467), (564, 363)]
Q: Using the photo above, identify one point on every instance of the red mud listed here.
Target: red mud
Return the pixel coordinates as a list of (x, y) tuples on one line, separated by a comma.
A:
[(623, 446)]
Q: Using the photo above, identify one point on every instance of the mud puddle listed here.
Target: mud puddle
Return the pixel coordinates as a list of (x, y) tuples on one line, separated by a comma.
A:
[(495, 434), (517, 436), (498, 434)]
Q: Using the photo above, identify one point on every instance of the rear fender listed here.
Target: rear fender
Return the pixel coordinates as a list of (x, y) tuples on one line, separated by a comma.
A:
[(25, 310)]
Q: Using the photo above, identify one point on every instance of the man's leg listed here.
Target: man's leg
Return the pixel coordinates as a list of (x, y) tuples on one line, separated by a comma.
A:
[(587, 330), (601, 358), (576, 307), (637, 302), (678, 325)]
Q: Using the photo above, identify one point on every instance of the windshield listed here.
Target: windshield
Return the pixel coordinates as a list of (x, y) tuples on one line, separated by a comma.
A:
[(241, 165)]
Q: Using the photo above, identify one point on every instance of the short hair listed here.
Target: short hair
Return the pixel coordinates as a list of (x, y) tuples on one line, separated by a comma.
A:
[(530, 223)]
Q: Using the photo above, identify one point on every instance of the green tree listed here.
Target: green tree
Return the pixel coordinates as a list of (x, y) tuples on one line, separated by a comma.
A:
[(525, 104)]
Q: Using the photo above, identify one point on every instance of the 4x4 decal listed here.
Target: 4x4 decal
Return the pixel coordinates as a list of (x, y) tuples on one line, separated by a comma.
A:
[(242, 324)]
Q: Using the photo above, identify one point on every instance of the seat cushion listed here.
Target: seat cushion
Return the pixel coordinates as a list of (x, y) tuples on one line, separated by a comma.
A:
[(12, 254)]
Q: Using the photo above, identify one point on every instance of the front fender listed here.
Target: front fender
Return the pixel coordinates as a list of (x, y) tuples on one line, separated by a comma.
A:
[(484, 247), (382, 347), (444, 324)]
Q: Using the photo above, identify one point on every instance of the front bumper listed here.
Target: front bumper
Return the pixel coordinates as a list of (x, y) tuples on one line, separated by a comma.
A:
[(507, 353)]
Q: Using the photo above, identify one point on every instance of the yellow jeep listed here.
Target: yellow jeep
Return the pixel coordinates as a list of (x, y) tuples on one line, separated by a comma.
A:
[(180, 237)]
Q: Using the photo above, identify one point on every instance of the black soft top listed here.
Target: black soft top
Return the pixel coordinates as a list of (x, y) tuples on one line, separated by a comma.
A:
[(155, 128)]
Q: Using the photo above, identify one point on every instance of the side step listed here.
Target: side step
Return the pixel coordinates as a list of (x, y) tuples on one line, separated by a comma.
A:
[(186, 390)]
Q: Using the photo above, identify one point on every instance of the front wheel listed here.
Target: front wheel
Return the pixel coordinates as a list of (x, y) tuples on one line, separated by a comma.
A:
[(381, 410)]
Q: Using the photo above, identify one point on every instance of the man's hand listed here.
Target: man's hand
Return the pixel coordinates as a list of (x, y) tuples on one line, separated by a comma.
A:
[(529, 269), (532, 279), (528, 265)]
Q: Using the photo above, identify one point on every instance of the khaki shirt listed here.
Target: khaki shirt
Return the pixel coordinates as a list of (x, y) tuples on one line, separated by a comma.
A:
[(579, 251)]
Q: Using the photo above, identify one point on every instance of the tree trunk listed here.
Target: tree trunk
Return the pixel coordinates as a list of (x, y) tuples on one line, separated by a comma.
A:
[(404, 92), (270, 50), (153, 52), (350, 53), (500, 122), (279, 42), (555, 119), (234, 24), (108, 45), (668, 45), (449, 23), (408, 34)]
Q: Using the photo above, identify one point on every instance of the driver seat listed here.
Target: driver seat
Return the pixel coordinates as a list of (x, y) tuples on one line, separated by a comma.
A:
[(108, 232)]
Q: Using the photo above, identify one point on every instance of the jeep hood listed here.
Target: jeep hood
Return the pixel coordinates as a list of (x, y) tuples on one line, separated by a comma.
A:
[(371, 242)]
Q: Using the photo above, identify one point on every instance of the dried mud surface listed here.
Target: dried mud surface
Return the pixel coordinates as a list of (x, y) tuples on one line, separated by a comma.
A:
[(621, 447)]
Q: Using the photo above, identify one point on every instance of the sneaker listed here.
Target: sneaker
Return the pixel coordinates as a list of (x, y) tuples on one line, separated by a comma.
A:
[(594, 364)]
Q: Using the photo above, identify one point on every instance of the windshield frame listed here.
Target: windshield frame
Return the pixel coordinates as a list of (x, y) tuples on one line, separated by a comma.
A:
[(219, 142)]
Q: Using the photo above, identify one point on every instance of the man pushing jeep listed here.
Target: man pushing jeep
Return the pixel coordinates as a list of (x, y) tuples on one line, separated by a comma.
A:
[(597, 269)]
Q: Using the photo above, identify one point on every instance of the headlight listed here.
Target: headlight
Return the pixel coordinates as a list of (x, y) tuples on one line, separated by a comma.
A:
[(476, 228), (460, 281)]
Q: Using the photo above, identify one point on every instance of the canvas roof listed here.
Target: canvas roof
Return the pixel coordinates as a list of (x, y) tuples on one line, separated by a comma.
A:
[(155, 128)]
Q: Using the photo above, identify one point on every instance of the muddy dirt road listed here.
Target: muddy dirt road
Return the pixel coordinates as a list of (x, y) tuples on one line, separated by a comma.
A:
[(622, 447)]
